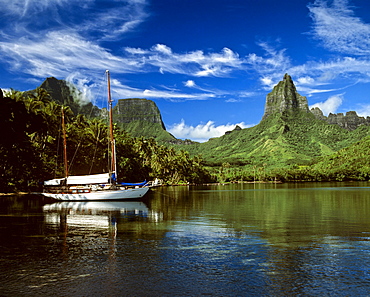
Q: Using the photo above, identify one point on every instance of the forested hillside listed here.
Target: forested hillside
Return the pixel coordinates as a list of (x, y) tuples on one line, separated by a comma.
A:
[(288, 134), (291, 143), (351, 163), (278, 141), (31, 151)]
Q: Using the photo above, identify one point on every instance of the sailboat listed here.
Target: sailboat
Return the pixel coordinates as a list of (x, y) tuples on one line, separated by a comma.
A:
[(102, 186)]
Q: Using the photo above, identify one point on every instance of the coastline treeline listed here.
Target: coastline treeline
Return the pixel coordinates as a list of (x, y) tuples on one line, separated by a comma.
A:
[(348, 164), (31, 147), (31, 152)]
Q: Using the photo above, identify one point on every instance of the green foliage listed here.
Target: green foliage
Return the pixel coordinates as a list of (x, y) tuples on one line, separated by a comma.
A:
[(277, 144), (31, 147), (19, 159), (292, 146), (351, 163), (147, 130)]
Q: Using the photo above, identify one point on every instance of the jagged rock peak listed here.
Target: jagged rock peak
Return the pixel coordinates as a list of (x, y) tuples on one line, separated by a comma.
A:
[(284, 97), (237, 128), (318, 113), (350, 121)]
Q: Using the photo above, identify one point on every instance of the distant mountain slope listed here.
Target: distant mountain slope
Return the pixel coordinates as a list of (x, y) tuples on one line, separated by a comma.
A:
[(288, 134), (68, 94), (141, 118), (352, 162)]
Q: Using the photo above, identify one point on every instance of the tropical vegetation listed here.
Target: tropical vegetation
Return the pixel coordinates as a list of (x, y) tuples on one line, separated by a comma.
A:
[(31, 147), (285, 146)]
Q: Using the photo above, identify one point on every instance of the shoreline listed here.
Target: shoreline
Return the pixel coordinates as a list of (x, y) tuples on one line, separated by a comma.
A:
[(16, 194), (190, 184)]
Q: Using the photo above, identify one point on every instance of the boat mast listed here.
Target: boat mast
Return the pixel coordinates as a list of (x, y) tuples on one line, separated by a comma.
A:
[(111, 135), (64, 145)]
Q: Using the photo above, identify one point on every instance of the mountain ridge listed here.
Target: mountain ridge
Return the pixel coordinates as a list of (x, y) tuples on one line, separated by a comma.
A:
[(283, 98), (288, 133)]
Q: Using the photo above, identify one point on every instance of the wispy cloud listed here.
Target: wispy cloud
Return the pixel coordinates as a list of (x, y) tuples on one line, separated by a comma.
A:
[(122, 91), (270, 66), (196, 63), (73, 43), (201, 132), (338, 28), (24, 8), (61, 52), (88, 18), (233, 100)]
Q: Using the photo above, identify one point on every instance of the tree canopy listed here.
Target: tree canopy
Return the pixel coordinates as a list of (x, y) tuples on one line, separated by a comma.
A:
[(31, 147)]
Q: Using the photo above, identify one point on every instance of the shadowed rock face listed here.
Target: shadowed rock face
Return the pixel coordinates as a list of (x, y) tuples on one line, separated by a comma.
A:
[(59, 90), (284, 98), (318, 113), (130, 110), (66, 93), (350, 121)]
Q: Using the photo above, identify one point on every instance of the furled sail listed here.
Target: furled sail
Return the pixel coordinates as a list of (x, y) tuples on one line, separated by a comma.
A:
[(80, 180)]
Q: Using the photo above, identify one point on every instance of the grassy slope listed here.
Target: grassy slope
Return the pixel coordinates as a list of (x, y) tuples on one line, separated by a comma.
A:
[(147, 130), (278, 141), (350, 161)]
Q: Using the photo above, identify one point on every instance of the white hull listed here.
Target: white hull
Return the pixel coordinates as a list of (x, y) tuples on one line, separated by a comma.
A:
[(100, 195)]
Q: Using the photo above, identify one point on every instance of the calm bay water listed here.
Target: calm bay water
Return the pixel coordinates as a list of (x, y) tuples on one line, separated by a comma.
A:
[(235, 240)]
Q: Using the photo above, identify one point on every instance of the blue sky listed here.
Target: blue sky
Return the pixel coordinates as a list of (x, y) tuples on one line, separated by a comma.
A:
[(208, 64)]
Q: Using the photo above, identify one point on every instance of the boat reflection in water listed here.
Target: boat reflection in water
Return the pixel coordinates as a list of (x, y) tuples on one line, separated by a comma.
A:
[(96, 216)]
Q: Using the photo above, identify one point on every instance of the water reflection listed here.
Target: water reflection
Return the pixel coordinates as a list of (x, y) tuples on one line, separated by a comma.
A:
[(287, 239), (93, 215), (93, 219), (235, 240)]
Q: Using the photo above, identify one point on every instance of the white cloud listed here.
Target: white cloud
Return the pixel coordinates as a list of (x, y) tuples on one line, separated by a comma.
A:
[(60, 53), (305, 80), (163, 49), (201, 132), (364, 111), (123, 91), (88, 18), (190, 84), (196, 63), (60, 47), (329, 106), (267, 82), (21, 8), (233, 100), (174, 95), (80, 87), (273, 61), (339, 29)]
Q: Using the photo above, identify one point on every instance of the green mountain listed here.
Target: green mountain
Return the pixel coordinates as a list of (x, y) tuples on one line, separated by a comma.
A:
[(141, 118), (67, 94), (289, 133), (351, 163)]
